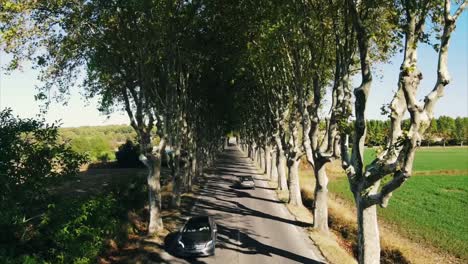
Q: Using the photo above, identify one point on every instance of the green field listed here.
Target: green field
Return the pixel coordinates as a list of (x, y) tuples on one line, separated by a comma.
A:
[(430, 208), (434, 158), (427, 208)]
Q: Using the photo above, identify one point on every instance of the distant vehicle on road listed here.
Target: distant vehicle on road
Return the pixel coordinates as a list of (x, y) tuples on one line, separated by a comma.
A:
[(197, 237), (246, 182)]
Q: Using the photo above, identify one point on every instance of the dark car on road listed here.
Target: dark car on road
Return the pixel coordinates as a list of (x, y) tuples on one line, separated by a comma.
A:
[(246, 182), (197, 237)]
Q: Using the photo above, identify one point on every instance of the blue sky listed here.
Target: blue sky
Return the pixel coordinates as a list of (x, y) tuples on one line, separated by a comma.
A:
[(17, 89)]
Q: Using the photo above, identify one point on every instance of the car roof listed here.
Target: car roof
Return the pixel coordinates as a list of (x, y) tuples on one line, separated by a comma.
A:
[(198, 220)]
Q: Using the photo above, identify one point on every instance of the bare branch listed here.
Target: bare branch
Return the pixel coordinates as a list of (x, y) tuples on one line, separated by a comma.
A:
[(129, 109), (384, 195), (459, 11)]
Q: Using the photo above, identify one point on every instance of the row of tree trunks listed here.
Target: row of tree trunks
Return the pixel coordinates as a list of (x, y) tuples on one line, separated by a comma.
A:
[(273, 161)]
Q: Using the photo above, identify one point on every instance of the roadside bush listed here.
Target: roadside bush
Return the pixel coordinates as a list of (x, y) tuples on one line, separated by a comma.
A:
[(37, 226), (127, 155), (31, 162), (77, 228)]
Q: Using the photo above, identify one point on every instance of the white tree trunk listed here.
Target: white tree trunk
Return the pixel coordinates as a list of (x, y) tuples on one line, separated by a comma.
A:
[(368, 234), (268, 160), (184, 174), (255, 154), (281, 165), (153, 164), (321, 199), (259, 157), (262, 159), (295, 197), (176, 179), (193, 172), (274, 168)]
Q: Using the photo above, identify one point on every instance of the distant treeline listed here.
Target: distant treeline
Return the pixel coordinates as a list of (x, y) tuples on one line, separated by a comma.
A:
[(444, 130), (99, 143)]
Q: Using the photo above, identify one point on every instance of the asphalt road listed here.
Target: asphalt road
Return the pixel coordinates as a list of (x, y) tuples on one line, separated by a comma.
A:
[(253, 227)]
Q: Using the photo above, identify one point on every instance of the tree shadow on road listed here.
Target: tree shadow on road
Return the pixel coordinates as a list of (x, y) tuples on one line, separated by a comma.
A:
[(218, 198), (217, 188), (266, 188), (249, 245), (243, 194)]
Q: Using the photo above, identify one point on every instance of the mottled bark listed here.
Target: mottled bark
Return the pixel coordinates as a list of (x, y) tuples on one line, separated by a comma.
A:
[(268, 160), (152, 161), (255, 159), (306, 132), (399, 156), (295, 197), (400, 152), (315, 152), (274, 168), (281, 165), (177, 178), (294, 158), (368, 233), (368, 236), (321, 198), (193, 172), (249, 151), (262, 158)]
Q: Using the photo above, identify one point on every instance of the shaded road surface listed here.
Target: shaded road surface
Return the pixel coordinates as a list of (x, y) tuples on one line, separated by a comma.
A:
[(253, 227)]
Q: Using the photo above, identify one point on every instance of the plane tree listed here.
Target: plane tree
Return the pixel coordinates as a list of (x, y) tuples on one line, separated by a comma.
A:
[(374, 184), (285, 56), (128, 54), (268, 64), (319, 145)]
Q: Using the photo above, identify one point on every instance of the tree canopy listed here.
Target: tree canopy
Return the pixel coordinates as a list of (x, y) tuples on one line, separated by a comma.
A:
[(189, 72)]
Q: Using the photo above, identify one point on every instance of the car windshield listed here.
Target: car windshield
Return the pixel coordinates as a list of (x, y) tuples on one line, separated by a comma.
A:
[(247, 178), (197, 225)]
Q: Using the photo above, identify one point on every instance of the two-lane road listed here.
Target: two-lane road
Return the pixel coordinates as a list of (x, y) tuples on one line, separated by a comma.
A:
[(253, 227)]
